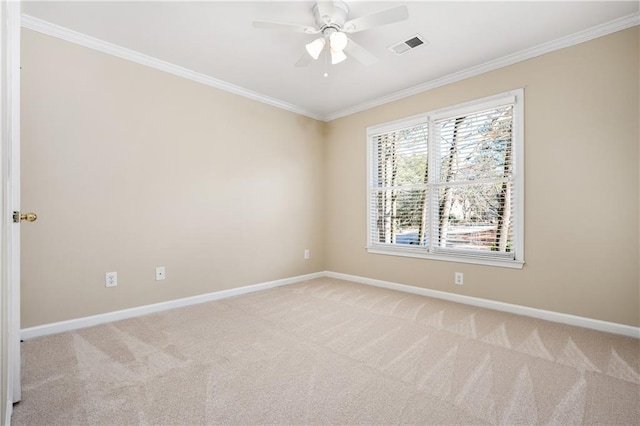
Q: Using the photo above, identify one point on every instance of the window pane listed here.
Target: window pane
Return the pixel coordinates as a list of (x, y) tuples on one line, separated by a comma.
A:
[(476, 146), (399, 216), (476, 217), (401, 157)]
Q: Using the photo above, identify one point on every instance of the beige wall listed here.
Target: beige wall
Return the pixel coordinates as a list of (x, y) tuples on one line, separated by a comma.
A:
[(581, 179), (130, 168)]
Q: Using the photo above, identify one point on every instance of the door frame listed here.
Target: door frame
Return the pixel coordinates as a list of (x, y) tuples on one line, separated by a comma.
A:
[(10, 16), (14, 192)]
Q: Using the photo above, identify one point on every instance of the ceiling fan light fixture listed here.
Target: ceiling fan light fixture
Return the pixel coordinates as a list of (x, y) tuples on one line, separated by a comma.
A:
[(338, 41), (337, 56), (332, 22), (315, 47)]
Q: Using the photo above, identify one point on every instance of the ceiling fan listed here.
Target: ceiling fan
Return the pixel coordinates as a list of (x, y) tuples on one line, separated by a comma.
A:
[(332, 26)]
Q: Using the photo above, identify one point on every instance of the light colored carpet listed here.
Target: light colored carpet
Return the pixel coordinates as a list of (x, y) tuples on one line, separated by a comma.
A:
[(330, 352)]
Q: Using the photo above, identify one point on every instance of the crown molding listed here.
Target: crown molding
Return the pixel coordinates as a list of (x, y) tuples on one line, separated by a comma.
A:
[(48, 28), (561, 43), (63, 33)]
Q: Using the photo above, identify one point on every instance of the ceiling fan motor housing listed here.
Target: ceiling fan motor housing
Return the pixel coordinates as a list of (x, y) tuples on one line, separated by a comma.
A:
[(339, 13)]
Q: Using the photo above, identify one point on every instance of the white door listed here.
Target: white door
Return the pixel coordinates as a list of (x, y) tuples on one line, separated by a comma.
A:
[(13, 192), (10, 167)]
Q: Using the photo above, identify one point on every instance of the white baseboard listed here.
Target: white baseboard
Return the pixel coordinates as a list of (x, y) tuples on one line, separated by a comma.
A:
[(609, 327), (78, 323)]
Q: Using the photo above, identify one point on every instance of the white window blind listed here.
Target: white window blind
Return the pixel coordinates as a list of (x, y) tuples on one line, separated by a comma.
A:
[(449, 185), (399, 196)]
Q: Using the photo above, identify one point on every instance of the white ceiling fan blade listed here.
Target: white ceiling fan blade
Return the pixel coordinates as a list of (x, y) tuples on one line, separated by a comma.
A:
[(287, 27), (360, 54), (325, 10), (378, 19), (304, 60)]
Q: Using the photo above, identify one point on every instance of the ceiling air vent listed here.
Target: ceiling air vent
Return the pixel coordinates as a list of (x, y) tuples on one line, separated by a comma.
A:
[(407, 45)]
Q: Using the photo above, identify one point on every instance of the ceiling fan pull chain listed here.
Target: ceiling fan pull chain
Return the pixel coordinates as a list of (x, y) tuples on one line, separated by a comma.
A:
[(326, 64)]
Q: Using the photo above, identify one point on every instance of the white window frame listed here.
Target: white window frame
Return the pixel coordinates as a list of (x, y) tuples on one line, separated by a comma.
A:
[(515, 97)]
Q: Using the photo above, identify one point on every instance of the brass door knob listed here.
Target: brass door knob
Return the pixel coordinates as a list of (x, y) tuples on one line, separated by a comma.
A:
[(29, 217)]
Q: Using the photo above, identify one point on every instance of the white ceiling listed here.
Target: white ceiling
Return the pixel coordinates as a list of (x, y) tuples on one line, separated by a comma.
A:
[(217, 39)]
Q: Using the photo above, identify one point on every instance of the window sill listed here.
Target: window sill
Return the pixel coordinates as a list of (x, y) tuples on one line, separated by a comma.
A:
[(419, 253)]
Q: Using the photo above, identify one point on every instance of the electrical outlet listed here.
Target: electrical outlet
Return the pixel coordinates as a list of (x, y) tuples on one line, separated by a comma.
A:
[(160, 275), (307, 254), (458, 278), (111, 279)]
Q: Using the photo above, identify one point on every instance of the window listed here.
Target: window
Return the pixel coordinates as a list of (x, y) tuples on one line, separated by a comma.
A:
[(449, 184)]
